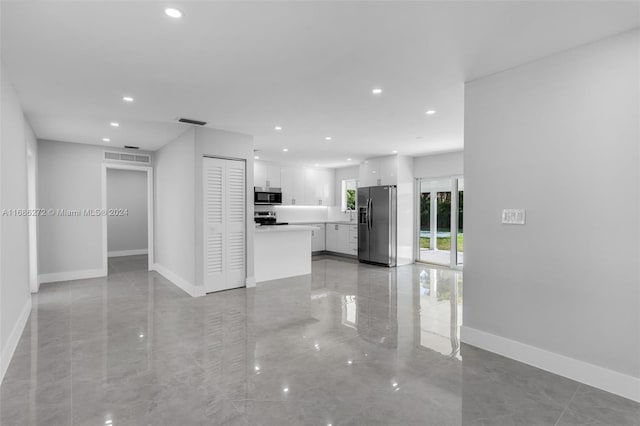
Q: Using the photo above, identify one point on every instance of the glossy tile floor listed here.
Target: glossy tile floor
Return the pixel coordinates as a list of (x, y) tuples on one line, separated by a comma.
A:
[(351, 344)]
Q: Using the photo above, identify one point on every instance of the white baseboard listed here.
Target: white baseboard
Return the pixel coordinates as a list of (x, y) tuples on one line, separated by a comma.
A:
[(14, 338), (120, 253), (574, 369), (250, 282), (71, 275), (178, 281)]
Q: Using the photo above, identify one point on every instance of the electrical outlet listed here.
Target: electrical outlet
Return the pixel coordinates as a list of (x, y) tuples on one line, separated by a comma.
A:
[(513, 216)]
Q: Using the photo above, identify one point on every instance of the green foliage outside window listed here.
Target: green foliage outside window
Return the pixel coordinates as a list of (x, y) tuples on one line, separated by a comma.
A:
[(351, 199)]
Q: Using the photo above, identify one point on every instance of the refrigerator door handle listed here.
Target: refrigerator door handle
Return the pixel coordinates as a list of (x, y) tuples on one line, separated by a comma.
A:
[(368, 199), (370, 213)]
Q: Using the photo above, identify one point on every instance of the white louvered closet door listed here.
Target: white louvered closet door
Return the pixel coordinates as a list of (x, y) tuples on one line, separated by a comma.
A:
[(224, 224)]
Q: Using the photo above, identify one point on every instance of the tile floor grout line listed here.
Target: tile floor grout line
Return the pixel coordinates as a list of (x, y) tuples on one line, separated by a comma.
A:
[(568, 404)]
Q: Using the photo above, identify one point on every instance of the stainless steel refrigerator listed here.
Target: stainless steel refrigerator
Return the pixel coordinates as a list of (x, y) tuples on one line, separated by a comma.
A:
[(377, 217)]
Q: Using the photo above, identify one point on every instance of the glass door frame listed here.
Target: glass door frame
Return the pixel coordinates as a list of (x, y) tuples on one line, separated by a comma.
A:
[(454, 182)]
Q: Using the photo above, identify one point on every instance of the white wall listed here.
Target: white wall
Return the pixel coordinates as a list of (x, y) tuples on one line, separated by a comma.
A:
[(406, 199), (32, 194), (558, 137), (293, 214), (441, 165), (70, 177), (127, 189), (174, 209), (213, 142), (15, 297), (179, 210)]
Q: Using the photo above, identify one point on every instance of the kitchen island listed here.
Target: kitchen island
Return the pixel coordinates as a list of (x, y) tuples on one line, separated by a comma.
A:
[(282, 251)]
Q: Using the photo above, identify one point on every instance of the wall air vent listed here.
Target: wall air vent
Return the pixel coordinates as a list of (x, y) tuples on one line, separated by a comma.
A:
[(190, 121), (129, 158)]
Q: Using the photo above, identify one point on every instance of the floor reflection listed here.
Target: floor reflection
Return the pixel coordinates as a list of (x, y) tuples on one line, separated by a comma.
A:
[(439, 307), (348, 344)]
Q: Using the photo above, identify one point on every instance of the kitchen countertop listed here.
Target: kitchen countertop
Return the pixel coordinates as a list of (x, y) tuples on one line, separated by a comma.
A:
[(339, 222), (284, 228)]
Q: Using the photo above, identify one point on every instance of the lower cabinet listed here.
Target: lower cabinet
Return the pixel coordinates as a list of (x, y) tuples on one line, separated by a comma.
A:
[(331, 237), (353, 240), (342, 238), (318, 237)]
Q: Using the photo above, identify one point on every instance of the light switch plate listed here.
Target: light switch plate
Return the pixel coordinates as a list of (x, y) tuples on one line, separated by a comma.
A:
[(513, 216)]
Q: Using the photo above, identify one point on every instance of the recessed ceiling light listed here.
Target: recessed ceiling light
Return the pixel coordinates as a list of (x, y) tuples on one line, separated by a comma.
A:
[(328, 138), (348, 159), (256, 157), (114, 124), (316, 164), (285, 149), (431, 112), (376, 91), (127, 98), (106, 140), (173, 13), (394, 152), (278, 128)]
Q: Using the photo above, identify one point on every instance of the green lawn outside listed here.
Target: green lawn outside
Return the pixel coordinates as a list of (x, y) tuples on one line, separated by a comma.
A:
[(443, 243)]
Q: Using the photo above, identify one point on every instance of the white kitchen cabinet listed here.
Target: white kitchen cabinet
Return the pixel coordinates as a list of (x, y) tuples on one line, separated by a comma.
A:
[(343, 239), (378, 171), (311, 197), (353, 240), (259, 174), (299, 184), (292, 184), (318, 187), (318, 237), (340, 238), (302, 186), (286, 184), (388, 167), (326, 186), (331, 237), (273, 176), (369, 171), (266, 174)]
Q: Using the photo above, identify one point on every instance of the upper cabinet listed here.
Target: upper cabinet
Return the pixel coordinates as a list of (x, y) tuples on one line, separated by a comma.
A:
[(266, 174), (319, 187), (292, 184), (273, 176), (379, 171), (300, 186), (326, 184), (259, 174)]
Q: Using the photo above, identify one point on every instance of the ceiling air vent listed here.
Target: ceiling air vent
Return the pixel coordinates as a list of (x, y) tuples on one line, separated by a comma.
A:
[(190, 121), (131, 147), (129, 158)]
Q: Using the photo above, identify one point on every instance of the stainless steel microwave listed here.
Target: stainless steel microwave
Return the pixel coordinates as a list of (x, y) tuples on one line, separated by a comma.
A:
[(267, 195)]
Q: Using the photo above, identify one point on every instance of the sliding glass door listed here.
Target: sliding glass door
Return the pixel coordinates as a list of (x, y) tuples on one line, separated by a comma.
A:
[(460, 256), (441, 233)]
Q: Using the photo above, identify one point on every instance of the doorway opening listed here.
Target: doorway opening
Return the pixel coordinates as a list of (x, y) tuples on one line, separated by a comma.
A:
[(127, 218), (441, 225)]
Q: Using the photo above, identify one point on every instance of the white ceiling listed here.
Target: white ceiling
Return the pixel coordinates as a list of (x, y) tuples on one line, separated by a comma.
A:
[(307, 66)]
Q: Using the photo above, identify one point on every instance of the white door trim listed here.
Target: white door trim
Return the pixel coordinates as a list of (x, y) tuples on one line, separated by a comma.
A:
[(150, 215)]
